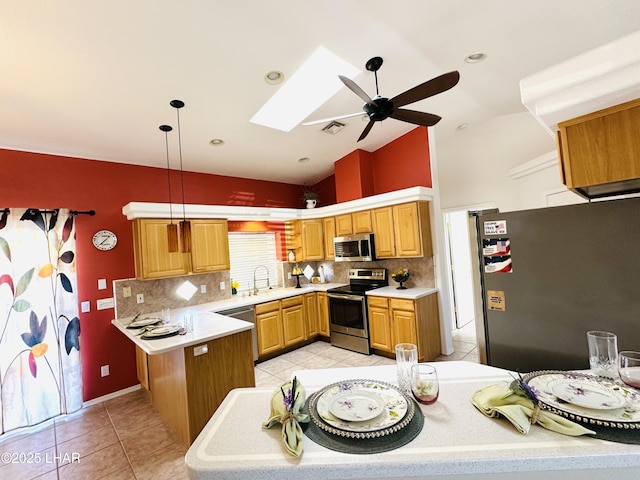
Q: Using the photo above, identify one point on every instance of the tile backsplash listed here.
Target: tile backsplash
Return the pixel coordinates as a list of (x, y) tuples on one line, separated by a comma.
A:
[(159, 294)]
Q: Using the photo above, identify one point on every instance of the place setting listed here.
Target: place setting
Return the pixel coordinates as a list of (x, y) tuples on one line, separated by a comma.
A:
[(603, 403), (361, 416), (155, 328)]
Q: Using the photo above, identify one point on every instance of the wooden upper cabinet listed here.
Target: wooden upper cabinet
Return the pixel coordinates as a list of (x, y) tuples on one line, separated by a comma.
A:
[(209, 249), (412, 230), (312, 239), (329, 232), (151, 250), (362, 221), (355, 222), (209, 246), (384, 235), (344, 225), (601, 148)]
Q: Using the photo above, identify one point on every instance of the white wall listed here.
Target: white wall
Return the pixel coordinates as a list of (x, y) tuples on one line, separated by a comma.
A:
[(497, 149)]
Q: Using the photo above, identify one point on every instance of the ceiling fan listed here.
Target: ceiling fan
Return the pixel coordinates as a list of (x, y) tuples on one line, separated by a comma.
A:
[(380, 108)]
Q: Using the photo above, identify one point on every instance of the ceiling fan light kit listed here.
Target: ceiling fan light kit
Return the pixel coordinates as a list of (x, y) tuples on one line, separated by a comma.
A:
[(380, 108)]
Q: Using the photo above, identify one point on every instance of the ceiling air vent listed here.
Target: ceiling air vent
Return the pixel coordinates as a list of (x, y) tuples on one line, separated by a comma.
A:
[(333, 127)]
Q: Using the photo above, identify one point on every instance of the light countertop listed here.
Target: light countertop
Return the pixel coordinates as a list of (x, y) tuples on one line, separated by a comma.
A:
[(457, 441), (410, 293), (209, 325)]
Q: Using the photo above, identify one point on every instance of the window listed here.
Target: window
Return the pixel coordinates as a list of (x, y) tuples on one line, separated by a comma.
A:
[(247, 251)]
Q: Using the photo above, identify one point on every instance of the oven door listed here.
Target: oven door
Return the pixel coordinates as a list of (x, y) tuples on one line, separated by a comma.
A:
[(348, 314)]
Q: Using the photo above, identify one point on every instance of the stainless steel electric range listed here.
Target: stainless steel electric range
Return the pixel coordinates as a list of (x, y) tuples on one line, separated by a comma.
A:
[(348, 317)]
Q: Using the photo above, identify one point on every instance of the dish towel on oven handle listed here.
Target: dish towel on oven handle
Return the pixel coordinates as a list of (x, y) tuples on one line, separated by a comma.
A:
[(500, 399), (287, 403)]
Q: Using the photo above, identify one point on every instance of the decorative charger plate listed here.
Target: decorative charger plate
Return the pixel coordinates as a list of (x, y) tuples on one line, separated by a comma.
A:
[(395, 414), (162, 332), (144, 322), (586, 398)]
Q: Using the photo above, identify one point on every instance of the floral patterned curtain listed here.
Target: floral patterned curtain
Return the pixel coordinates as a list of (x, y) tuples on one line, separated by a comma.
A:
[(40, 371)]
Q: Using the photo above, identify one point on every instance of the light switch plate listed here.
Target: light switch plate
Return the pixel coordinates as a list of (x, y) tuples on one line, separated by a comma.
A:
[(126, 292), (222, 286), (102, 284), (85, 307)]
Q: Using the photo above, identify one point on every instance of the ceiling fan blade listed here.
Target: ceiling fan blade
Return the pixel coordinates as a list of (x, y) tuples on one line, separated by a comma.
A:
[(351, 85), (418, 118), (427, 89), (366, 130), (325, 120)]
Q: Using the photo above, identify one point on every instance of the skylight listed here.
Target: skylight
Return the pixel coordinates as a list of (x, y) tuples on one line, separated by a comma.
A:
[(315, 82)]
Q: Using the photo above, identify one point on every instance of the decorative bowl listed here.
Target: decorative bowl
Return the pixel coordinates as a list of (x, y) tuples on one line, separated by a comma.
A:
[(401, 276)]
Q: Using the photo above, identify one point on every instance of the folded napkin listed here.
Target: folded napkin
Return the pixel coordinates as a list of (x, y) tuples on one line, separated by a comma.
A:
[(287, 402), (521, 411)]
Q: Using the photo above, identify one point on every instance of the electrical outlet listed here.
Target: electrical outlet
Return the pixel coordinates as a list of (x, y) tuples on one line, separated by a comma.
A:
[(126, 292), (140, 298), (104, 371), (203, 289), (289, 275), (222, 286)]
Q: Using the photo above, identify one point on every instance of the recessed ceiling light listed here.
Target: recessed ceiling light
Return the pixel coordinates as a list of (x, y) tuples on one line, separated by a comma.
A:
[(274, 77), (216, 142), (462, 126), (475, 57), (315, 82), (304, 160)]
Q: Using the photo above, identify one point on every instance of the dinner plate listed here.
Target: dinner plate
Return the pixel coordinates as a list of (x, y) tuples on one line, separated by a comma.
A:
[(587, 393), (610, 404), (397, 411), (357, 406), (144, 322), (162, 332)]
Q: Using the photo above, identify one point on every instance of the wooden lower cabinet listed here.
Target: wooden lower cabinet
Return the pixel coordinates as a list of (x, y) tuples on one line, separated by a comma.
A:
[(280, 324), (293, 321), (311, 314), (269, 327), (323, 314), (187, 386), (394, 320)]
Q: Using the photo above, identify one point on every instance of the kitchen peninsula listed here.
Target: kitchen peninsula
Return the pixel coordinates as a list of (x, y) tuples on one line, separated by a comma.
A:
[(456, 441), (189, 375)]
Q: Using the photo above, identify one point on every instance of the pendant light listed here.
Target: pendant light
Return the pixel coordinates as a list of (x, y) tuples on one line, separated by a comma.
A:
[(172, 228), (185, 225)]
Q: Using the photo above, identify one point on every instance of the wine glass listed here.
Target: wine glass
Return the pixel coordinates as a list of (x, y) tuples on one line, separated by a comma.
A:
[(424, 383)]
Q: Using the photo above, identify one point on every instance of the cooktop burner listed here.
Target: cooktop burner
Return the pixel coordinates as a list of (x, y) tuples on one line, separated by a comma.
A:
[(362, 280)]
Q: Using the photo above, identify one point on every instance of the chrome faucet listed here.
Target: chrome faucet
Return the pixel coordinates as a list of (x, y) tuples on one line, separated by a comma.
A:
[(255, 288)]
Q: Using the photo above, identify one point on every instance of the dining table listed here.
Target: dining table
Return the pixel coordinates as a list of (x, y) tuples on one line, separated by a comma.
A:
[(456, 441)]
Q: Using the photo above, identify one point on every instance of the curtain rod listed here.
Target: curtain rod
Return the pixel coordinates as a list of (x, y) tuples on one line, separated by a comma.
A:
[(91, 213)]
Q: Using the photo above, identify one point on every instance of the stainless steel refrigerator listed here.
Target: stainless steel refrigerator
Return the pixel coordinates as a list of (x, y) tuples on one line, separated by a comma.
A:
[(550, 275)]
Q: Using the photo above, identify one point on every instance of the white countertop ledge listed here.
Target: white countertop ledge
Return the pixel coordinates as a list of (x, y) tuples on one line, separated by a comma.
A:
[(410, 293), (457, 441), (206, 326)]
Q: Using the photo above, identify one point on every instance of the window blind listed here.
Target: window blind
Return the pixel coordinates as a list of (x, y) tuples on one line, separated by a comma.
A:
[(247, 251)]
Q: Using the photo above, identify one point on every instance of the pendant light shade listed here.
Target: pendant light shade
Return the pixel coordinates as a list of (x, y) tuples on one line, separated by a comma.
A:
[(172, 228), (185, 225)]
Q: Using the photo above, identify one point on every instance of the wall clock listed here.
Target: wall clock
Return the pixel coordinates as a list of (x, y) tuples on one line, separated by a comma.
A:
[(104, 240)]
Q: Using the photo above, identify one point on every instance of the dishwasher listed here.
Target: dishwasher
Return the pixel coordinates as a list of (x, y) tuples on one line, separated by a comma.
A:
[(246, 314)]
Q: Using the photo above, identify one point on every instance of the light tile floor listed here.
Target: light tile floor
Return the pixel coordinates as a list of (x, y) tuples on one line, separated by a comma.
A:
[(125, 439)]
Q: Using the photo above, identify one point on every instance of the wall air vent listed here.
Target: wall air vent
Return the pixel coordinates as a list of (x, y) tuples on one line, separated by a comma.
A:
[(333, 127)]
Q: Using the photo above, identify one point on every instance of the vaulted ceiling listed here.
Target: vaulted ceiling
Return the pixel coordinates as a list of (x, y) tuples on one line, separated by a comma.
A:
[(93, 79)]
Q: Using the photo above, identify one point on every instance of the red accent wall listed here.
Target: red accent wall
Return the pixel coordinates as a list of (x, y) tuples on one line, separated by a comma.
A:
[(402, 163), (354, 176), (49, 181)]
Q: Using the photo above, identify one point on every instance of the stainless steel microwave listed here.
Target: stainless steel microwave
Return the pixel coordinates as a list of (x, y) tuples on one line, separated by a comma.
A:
[(354, 248)]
